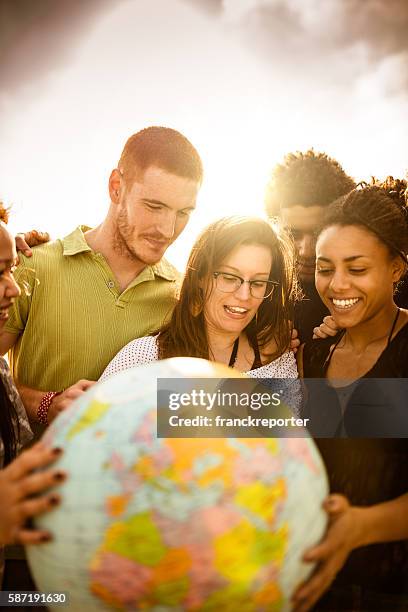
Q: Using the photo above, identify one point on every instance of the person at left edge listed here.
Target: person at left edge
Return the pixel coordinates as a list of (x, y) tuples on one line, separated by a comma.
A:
[(97, 289), (18, 482)]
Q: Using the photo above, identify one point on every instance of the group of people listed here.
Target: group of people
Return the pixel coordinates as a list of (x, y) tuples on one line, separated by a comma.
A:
[(102, 300)]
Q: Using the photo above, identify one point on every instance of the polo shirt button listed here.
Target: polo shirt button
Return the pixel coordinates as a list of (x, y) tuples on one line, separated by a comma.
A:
[(111, 284)]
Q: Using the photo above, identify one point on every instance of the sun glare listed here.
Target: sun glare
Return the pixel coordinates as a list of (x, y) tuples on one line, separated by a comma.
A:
[(237, 168)]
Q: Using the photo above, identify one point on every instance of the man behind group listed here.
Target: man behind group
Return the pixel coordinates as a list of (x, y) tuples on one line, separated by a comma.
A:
[(299, 191), (92, 292)]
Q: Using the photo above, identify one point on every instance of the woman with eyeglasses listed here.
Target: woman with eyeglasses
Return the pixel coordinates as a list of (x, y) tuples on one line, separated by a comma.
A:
[(235, 307)]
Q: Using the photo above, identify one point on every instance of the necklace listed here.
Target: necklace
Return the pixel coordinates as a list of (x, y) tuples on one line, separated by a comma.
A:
[(234, 353), (330, 355)]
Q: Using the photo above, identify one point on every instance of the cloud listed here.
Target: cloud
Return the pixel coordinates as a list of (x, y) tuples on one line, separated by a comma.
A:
[(332, 42), (327, 43), (37, 36)]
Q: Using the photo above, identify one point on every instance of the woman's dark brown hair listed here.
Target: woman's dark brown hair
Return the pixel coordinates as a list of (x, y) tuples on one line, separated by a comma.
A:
[(185, 334)]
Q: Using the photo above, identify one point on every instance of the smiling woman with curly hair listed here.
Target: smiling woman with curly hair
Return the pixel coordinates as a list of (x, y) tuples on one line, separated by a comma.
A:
[(361, 256)]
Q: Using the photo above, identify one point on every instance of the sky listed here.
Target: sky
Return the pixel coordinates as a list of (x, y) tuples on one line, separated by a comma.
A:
[(247, 81)]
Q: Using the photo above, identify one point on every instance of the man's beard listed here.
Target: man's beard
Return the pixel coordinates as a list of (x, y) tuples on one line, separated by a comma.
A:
[(122, 238)]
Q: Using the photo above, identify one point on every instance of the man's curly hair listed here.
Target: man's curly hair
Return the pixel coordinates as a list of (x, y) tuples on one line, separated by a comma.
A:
[(306, 179), (375, 209)]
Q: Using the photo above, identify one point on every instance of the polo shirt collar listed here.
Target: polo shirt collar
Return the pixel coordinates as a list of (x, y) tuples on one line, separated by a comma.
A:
[(75, 243), (165, 270)]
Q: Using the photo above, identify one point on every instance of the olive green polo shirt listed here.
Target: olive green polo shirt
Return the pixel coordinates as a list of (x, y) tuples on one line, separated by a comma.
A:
[(72, 318)]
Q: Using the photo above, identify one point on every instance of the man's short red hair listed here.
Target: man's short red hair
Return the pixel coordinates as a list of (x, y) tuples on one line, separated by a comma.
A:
[(161, 147)]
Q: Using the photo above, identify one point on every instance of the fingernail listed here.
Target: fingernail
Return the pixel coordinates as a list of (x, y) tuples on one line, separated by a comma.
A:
[(29, 524), (54, 500), (46, 537), (57, 451), (59, 476)]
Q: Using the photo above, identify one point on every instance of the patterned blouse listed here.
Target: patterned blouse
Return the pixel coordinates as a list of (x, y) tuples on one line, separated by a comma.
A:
[(145, 350)]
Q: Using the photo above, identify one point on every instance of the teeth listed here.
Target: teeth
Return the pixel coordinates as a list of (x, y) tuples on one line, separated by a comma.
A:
[(237, 309), (345, 303)]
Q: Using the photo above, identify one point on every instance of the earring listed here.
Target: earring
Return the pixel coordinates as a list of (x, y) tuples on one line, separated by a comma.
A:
[(196, 309), (197, 306)]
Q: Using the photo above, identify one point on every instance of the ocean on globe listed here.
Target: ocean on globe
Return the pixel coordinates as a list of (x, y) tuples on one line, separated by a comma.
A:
[(174, 524)]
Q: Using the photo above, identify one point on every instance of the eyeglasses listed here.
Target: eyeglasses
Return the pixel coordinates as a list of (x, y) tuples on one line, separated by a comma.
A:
[(229, 283)]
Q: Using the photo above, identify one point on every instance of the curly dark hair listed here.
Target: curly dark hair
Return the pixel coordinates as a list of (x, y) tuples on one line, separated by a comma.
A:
[(396, 188), (374, 209), (306, 179)]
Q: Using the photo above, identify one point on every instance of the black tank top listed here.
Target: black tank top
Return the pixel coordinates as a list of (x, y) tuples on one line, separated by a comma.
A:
[(368, 471)]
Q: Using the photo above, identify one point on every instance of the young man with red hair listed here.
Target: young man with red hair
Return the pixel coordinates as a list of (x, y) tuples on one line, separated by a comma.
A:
[(95, 290)]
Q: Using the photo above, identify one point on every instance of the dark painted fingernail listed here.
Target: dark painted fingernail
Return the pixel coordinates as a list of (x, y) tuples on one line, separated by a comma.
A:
[(57, 451), (29, 524), (60, 476), (54, 500), (46, 537)]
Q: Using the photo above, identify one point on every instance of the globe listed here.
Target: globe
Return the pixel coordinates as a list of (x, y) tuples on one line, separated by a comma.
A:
[(149, 523)]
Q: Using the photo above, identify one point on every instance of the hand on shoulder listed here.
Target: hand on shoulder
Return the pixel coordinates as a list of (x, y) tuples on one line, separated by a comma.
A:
[(326, 329), (25, 240)]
